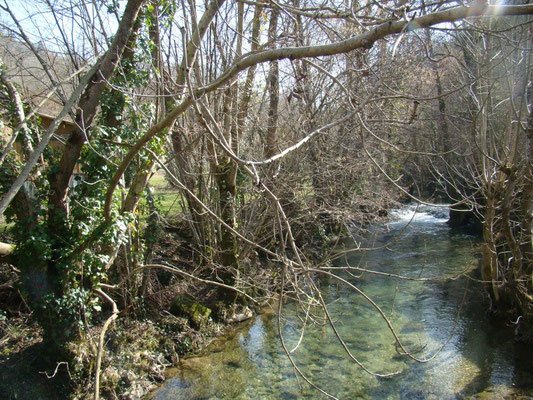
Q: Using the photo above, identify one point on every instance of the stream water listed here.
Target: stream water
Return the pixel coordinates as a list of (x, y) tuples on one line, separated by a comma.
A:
[(479, 355)]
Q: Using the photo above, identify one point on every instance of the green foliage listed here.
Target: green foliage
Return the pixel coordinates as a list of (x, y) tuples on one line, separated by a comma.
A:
[(62, 269), (9, 170), (165, 15)]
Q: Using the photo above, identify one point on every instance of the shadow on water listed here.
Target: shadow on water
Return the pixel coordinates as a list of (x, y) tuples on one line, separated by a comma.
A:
[(480, 357)]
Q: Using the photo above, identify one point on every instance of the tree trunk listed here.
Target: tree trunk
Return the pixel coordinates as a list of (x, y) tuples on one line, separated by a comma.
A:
[(58, 213), (273, 90)]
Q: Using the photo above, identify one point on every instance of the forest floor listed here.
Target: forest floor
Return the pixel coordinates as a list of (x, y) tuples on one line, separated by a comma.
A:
[(138, 350)]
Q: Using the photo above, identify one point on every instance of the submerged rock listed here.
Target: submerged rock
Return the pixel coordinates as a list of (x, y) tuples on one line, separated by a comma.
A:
[(500, 392)]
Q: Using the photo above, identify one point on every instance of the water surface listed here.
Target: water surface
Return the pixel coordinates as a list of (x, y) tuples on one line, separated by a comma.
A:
[(480, 356)]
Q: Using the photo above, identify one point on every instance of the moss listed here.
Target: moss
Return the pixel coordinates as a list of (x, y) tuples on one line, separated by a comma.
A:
[(185, 305)]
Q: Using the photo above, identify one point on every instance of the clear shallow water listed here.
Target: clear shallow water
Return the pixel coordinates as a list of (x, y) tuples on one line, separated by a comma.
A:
[(251, 364)]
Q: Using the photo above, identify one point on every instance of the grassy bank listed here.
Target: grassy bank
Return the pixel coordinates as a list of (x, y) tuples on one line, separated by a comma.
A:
[(167, 198)]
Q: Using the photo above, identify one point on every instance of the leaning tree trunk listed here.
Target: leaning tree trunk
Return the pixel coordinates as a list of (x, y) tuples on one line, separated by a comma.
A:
[(57, 332)]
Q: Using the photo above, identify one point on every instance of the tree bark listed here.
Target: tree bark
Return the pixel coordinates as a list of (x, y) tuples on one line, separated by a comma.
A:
[(89, 102), (273, 90)]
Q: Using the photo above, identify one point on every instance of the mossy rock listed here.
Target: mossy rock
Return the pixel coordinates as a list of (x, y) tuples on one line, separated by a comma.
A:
[(500, 392), (184, 305)]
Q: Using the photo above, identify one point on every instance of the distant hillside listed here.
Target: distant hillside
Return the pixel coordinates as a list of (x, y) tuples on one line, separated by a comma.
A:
[(24, 69)]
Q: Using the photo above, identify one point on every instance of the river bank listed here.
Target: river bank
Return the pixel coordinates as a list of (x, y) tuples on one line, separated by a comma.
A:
[(139, 346)]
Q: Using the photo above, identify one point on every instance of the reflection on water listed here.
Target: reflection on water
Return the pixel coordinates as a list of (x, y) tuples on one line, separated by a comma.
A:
[(251, 363)]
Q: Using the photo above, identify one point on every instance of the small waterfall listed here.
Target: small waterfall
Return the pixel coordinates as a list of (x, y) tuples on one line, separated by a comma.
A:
[(421, 213)]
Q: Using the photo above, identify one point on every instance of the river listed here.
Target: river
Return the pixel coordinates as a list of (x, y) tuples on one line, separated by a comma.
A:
[(479, 355)]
